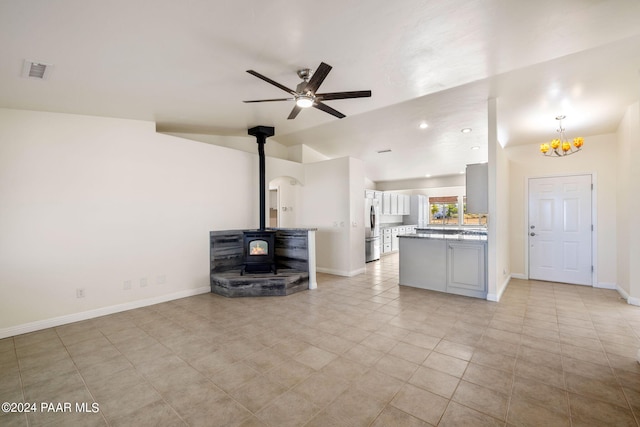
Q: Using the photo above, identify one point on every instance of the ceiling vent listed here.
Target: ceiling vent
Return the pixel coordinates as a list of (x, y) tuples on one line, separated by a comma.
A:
[(36, 70)]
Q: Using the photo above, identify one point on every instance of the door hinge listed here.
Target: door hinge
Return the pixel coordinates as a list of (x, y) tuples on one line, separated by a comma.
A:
[(592, 268), (591, 187), (591, 227)]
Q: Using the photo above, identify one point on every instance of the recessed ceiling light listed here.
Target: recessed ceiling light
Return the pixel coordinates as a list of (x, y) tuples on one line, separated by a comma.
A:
[(461, 172), (466, 130), (428, 175), (475, 147), (423, 125)]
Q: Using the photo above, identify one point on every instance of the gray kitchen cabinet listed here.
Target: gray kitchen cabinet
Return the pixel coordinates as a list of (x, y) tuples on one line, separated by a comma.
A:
[(477, 188), (466, 272), (423, 264)]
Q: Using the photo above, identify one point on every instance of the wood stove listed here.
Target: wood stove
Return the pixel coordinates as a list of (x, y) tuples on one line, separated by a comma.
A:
[(259, 252)]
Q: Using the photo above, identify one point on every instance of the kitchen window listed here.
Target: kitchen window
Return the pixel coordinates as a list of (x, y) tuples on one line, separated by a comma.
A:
[(472, 218), (443, 210)]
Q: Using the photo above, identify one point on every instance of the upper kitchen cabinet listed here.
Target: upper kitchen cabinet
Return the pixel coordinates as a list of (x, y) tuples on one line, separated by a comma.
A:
[(477, 176)]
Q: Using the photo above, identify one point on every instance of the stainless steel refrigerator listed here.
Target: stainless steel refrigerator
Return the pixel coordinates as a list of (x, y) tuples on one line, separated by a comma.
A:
[(372, 229)]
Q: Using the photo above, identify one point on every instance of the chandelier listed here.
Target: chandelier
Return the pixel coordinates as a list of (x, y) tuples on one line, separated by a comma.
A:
[(560, 147)]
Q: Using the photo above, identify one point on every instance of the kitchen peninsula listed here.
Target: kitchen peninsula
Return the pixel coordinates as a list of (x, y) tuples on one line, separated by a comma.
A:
[(445, 259)]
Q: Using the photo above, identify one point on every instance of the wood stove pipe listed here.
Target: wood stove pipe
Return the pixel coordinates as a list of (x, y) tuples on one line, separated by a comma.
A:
[(262, 133)]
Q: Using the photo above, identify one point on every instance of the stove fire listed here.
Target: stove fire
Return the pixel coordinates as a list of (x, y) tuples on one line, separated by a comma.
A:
[(258, 247)]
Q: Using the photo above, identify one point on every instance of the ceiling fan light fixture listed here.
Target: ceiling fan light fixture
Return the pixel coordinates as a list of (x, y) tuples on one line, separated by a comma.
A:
[(304, 101)]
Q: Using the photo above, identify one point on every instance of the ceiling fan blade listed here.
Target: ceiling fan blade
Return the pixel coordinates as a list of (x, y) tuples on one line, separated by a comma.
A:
[(270, 100), (268, 80), (343, 95), (318, 77), (327, 109), (294, 112)]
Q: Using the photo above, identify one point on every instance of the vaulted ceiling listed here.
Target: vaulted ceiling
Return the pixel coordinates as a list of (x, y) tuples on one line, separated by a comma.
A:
[(182, 65)]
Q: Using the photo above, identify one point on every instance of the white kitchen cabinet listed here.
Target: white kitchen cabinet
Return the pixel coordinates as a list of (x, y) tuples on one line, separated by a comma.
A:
[(386, 240), (394, 203), (400, 204), (419, 211), (477, 188), (386, 203), (407, 204), (394, 238)]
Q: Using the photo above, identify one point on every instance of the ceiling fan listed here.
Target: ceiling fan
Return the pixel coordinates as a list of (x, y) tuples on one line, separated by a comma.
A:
[(305, 94)]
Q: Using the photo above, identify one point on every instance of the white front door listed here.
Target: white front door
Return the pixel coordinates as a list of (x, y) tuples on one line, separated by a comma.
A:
[(560, 229)]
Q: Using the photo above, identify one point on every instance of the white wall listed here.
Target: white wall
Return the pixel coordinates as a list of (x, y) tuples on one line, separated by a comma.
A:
[(628, 203), (598, 157), (303, 154), (92, 203), (290, 198), (333, 193), (242, 143)]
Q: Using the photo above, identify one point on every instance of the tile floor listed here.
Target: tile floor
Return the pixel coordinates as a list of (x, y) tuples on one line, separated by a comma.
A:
[(357, 351)]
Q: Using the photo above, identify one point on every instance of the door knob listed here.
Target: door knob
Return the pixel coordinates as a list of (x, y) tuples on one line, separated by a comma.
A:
[(532, 234)]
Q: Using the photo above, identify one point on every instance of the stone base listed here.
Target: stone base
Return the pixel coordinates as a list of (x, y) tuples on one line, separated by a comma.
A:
[(232, 284)]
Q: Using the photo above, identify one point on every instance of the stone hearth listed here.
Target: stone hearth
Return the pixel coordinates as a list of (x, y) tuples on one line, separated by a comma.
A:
[(294, 258)]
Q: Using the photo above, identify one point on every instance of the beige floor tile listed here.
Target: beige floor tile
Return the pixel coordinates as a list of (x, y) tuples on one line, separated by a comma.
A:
[(315, 357), (355, 407), (321, 389), (223, 412), (524, 412), (494, 379), (356, 351), (391, 416), (378, 384), (542, 394), (420, 403), (459, 415), (289, 409), (257, 393), (587, 411), (482, 399), (435, 381), (410, 352), (396, 367), (290, 374), (607, 391), (444, 363)]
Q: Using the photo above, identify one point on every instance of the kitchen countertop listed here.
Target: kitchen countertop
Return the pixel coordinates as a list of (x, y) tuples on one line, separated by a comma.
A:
[(441, 236)]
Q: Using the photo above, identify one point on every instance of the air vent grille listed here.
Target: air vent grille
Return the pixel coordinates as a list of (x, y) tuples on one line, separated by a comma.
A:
[(35, 69)]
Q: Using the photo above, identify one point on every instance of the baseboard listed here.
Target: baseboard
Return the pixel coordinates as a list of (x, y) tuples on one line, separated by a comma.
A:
[(605, 285), (341, 272), (103, 311), (630, 300), (496, 297), (519, 276)]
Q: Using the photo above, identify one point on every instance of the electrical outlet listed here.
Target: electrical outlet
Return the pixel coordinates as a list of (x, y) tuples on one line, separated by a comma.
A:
[(143, 282), (161, 280), (80, 293), (126, 286)]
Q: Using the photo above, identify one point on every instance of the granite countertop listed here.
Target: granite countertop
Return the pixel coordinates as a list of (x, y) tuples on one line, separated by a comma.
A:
[(439, 236)]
